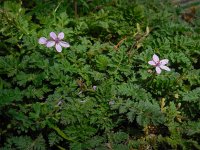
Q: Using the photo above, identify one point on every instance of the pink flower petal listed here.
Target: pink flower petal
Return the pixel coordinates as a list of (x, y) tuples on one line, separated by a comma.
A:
[(42, 40), (94, 87), (64, 44), (53, 35), (155, 58), (50, 43), (164, 61), (158, 70), (61, 35), (152, 63), (165, 68), (58, 48)]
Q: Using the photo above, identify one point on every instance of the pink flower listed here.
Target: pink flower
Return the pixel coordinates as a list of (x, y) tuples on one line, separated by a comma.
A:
[(111, 102), (159, 64), (94, 88), (57, 41)]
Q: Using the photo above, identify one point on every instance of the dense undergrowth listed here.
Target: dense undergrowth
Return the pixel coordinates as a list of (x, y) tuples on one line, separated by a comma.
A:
[(100, 93)]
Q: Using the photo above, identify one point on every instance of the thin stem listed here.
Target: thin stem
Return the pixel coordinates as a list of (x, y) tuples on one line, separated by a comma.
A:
[(75, 9), (152, 79)]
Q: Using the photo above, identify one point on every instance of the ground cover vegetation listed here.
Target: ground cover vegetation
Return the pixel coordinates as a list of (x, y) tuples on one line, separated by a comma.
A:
[(99, 74)]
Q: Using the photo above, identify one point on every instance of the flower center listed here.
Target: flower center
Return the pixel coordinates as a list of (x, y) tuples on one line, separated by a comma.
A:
[(157, 63), (57, 40)]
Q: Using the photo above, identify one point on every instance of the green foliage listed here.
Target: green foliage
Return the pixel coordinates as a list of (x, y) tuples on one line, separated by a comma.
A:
[(25, 142), (145, 112), (192, 99), (100, 93), (135, 91)]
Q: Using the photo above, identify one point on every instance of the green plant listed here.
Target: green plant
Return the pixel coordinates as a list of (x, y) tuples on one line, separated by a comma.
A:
[(100, 92)]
